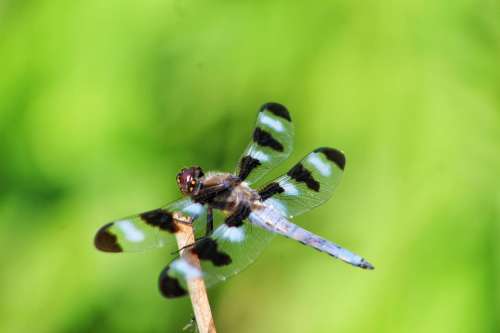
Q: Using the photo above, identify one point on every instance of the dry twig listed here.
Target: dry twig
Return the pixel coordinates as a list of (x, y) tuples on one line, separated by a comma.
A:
[(196, 286)]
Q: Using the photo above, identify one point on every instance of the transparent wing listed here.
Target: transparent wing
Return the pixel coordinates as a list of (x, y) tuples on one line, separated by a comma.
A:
[(225, 253), (272, 143), (149, 230), (308, 184), (270, 219)]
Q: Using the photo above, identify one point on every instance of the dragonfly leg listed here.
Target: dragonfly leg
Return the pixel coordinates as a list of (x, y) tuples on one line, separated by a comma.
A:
[(210, 221), (238, 216)]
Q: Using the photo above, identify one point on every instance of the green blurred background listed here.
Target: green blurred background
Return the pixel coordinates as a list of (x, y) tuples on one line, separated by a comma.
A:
[(102, 102)]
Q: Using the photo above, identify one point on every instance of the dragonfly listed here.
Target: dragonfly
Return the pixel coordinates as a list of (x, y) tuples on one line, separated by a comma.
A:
[(233, 221)]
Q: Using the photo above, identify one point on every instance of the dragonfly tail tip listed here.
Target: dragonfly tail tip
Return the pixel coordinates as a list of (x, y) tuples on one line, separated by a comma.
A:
[(366, 265)]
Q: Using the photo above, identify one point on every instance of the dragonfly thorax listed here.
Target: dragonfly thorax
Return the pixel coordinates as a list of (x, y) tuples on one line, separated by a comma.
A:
[(242, 194), (225, 191)]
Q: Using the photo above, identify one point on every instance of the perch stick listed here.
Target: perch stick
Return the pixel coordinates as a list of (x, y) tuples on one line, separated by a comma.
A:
[(196, 286)]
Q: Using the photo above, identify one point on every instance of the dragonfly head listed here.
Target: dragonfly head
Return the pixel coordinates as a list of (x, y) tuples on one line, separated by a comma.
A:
[(188, 180)]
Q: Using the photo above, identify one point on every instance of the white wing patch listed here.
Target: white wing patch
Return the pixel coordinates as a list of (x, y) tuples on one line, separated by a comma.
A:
[(259, 155), (232, 234), (187, 270), (324, 168), (290, 189), (273, 123), (130, 231), (194, 209)]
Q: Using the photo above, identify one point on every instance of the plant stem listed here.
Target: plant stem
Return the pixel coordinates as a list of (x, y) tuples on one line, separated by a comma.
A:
[(196, 287)]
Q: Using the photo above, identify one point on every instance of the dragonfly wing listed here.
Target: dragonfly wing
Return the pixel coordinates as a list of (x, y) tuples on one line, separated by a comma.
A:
[(272, 143), (306, 185), (222, 255), (148, 230)]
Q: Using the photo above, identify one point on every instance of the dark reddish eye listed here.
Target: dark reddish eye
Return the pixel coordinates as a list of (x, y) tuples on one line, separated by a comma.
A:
[(188, 179)]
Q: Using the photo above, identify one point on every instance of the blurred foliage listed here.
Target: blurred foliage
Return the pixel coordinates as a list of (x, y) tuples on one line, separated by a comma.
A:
[(101, 102)]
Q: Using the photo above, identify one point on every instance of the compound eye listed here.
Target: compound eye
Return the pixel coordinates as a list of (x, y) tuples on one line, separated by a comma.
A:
[(187, 180)]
